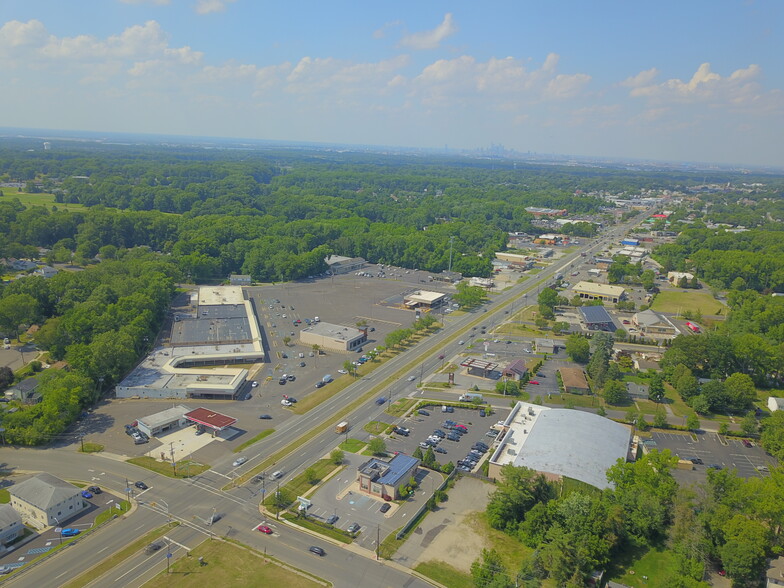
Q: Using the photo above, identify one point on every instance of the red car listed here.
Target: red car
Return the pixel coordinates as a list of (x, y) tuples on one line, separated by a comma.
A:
[(533, 382), (265, 529), (746, 443)]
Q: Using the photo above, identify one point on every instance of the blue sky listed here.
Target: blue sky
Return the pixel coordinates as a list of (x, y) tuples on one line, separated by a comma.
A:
[(701, 80)]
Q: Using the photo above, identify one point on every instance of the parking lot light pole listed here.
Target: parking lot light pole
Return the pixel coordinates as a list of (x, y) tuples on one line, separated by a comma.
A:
[(61, 530)]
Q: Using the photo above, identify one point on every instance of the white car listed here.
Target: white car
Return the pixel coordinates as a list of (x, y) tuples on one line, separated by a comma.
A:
[(239, 461), (276, 475), (254, 384), (342, 372), (285, 402), (411, 378)]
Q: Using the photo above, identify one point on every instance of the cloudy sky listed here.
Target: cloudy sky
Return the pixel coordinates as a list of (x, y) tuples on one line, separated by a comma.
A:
[(696, 80)]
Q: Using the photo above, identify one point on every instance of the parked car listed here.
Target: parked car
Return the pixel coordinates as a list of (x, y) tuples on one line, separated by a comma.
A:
[(342, 371), (385, 507), (282, 381), (320, 384), (534, 382), (424, 445), (440, 450), (332, 519), (86, 494), (423, 412), (746, 443), (254, 384), (291, 377), (239, 461), (481, 412), (401, 431), (141, 485), (95, 490), (715, 466), (265, 417), (70, 532), (302, 364), (353, 528), (317, 550), (439, 433), (265, 529), (696, 461), (453, 436), (285, 402)]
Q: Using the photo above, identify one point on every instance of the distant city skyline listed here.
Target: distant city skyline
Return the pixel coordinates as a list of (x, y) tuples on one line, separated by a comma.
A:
[(701, 81)]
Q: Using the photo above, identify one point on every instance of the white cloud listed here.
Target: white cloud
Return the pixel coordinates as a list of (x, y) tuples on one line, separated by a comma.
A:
[(704, 85), (641, 79), (211, 6), (565, 86), (431, 39), (22, 34)]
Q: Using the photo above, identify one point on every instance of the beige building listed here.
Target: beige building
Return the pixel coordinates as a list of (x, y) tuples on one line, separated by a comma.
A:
[(675, 277), (574, 380), (11, 525), (593, 291), (383, 478), (45, 500), (654, 324), (423, 298), (334, 337)]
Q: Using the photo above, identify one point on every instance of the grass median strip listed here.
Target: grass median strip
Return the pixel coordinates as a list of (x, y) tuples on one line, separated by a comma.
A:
[(112, 561), (319, 527), (185, 468), (255, 439), (445, 574)]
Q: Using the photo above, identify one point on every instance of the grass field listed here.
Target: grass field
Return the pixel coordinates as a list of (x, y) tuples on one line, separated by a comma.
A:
[(300, 485), (91, 447), (28, 200), (118, 557), (400, 407), (184, 469), (352, 445), (445, 574), (375, 427), (690, 301), (5, 497), (319, 527), (655, 563), (229, 565)]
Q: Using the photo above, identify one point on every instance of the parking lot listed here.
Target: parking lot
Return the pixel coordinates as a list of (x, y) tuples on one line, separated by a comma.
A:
[(714, 450), (340, 496), (421, 426)]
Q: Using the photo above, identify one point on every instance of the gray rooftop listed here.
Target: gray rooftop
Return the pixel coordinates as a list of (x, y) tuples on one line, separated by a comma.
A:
[(595, 314), (338, 332), (43, 491), (8, 516), (649, 317), (221, 323), (566, 442), (165, 417)]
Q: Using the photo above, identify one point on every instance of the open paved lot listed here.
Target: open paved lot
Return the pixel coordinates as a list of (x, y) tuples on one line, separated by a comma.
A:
[(340, 496), (712, 449), (423, 426)]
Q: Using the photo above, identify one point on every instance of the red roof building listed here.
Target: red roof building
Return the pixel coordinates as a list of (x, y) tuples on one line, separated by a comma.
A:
[(210, 418)]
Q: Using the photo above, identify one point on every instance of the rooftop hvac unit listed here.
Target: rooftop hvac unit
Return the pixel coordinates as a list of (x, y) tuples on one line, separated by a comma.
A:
[(511, 451)]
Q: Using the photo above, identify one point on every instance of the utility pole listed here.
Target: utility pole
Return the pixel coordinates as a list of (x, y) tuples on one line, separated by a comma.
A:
[(378, 538), (451, 240), (174, 464), (81, 439)]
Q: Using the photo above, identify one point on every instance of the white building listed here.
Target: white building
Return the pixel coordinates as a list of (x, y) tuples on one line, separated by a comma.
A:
[(775, 403), (334, 337), (45, 500), (675, 277), (11, 525)]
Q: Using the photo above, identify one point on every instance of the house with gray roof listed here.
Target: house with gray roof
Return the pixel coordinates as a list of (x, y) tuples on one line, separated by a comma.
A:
[(11, 525), (45, 500), (654, 324)]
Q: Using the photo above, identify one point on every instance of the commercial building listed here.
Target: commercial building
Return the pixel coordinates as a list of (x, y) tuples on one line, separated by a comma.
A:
[(45, 500), (652, 323), (223, 330), (424, 299), (11, 526), (536, 211), (630, 242), (239, 280), (675, 277), (515, 370), (481, 282), (166, 420), (515, 259), (574, 380), (479, 367), (545, 346), (559, 442), (596, 318), (339, 264), (384, 478), (209, 420), (333, 337), (593, 291)]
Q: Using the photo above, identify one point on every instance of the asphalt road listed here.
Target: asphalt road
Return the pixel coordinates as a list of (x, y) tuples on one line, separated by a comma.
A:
[(193, 501)]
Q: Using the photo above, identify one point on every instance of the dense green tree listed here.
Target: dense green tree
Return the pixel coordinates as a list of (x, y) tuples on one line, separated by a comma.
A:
[(578, 348), (377, 446), (615, 392)]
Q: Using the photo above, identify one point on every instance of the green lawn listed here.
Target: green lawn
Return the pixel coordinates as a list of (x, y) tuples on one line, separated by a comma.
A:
[(376, 427), (300, 485), (400, 407), (227, 564), (657, 563), (118, 557), (690, 301), (5, 497), (352, 445), (445, 574), (110, 512), (319, 527), (28, 200), (185, 469), (255, 439), (91, 447)]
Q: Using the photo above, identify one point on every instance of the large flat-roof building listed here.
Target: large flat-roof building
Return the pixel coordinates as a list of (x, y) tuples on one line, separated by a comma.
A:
[(334, 337), (559, 442), (338, 264), (424, 298), (593, 291), (224, 330)]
